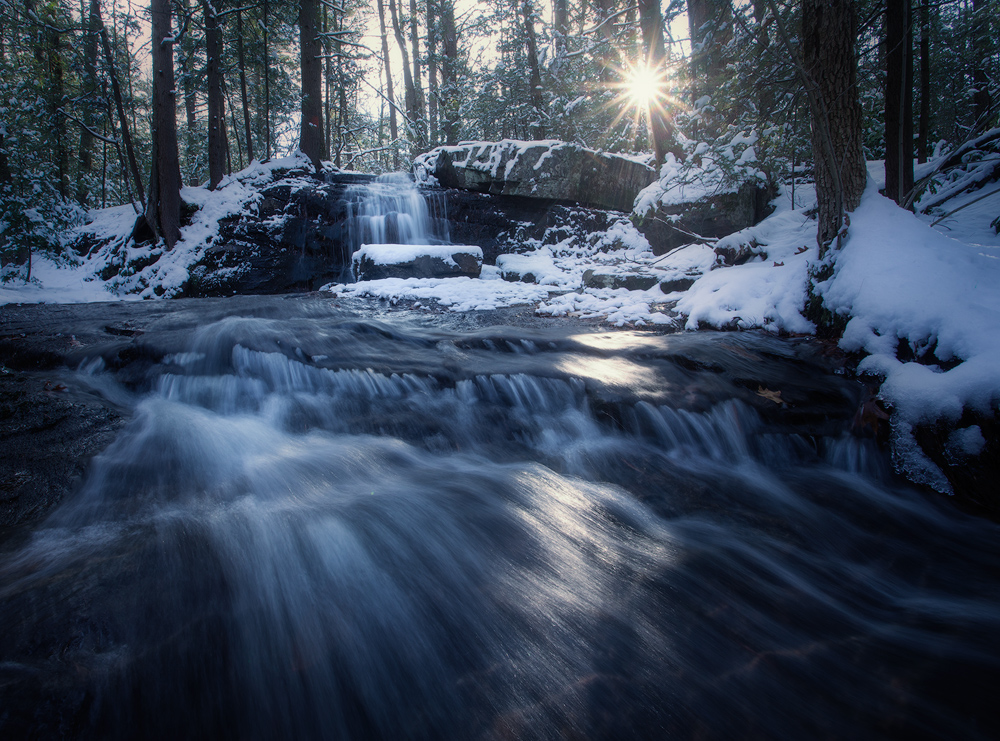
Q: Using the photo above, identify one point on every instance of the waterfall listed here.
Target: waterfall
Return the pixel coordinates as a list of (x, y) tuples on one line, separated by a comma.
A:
[(393, 210)]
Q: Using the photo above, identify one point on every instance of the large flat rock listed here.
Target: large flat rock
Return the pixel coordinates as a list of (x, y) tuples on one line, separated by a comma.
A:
[(548, 170), (376, 261)]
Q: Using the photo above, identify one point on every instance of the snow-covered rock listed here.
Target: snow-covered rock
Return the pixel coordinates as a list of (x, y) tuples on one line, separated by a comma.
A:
[(379, 261), (551, 170)]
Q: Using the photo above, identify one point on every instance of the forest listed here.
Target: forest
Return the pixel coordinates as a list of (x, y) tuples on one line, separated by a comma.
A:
[(93, 114)]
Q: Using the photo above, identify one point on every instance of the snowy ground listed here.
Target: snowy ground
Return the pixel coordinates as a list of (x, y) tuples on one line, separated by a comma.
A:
[(898, 278)]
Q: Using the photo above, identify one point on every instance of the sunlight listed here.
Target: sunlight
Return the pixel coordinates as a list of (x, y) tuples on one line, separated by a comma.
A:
[(645, 86)]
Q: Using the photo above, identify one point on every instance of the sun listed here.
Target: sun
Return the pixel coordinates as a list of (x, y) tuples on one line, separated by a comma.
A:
[(644, 86)]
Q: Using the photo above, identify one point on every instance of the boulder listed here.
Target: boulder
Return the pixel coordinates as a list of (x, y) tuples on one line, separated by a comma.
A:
[(678, 284), (673, 223), (631, 280), (548, 170), (377, 261)]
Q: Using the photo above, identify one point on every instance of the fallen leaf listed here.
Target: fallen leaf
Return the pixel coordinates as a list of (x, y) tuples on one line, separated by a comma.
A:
[(801, 249), (779, 264), (774, 396)]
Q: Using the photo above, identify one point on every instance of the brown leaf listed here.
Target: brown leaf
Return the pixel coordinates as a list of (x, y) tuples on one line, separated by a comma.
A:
[(801, 249), (774, 396), (779, 264)]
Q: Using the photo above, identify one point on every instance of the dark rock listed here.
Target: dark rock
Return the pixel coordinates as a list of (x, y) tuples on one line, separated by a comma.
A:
[(462, 263), (669, 227), (630, 281), (549, 171), (677, 284), (730, 255)]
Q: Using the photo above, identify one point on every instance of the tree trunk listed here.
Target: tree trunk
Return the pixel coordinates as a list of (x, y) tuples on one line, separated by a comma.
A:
[(122, 118), (651, 22), (163, 212), (711, 26), (311, 136), (216, 105), (898, 100), (267, 84), (89, 89), (185, 63), (449, 103), (393, 128), (410, 90), (605, 57), (55, 90), (537, 125), (432, 81), (981, 99), (243, 84), (418, 87), (829, 29), (560, 30), (923, 129)]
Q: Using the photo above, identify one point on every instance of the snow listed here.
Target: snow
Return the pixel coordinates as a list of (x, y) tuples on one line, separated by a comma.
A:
[(395, 254), (457, 294), (767, 294), (54, 282)]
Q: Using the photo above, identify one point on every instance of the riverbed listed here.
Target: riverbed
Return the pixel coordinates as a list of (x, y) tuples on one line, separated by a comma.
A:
[(306, 517)]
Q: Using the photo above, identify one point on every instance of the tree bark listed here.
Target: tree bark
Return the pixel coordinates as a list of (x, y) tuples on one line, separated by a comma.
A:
[(923, 128), (185, 62), (432, 81), (216, 104), (449, 103), (122, 118), (243, 84), (89, 89), (537, 125), (711, 26), (267, 83), (409, 88), (651, 21), (982, 102), (829, 29), (393, 128), (560, 30), (898, 100), (163, 211), (417, 81), (311, 134)]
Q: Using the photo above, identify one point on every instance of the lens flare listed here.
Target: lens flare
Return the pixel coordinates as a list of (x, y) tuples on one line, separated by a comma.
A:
[(645, 86)]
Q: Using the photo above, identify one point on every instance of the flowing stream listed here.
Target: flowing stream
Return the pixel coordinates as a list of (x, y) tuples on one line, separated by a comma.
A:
[(323, 526)]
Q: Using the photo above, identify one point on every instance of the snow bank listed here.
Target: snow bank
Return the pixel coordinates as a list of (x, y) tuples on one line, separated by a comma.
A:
[(902, 281)]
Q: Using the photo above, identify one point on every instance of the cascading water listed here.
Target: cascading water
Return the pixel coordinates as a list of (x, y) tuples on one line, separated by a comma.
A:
[(393, 210), (316, 526)]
